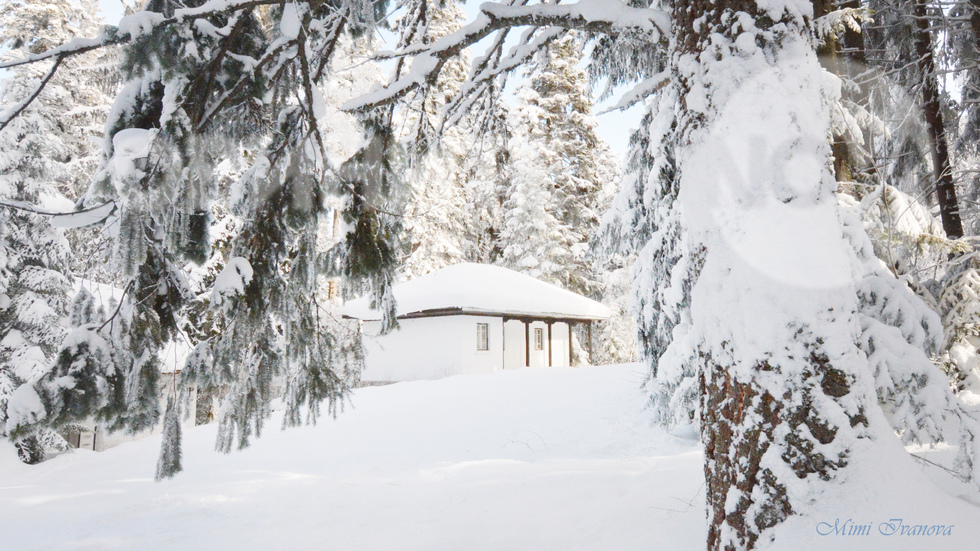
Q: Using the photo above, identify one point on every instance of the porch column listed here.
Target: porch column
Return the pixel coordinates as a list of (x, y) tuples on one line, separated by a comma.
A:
[(550, 323), (569, 343), (527, 343), (591, 358), (503, 343)]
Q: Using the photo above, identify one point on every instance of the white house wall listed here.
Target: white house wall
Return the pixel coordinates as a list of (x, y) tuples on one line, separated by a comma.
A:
[(430, 348)]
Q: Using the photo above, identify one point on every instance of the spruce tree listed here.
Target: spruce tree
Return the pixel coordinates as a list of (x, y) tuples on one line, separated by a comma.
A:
[(534, 241), (558, 144), (43, 157), (436, 213), (201, 87)]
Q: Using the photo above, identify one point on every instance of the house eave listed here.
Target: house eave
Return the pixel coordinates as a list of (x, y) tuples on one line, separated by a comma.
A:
[(507, 316)]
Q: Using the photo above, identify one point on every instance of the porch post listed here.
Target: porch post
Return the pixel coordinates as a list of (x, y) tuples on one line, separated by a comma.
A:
[(503, 343), (591, 358), (569, 322), (550, 323), (527, 343)]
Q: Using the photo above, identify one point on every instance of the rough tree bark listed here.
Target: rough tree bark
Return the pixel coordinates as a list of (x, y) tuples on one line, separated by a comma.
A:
[(932, 111), (776, 346)]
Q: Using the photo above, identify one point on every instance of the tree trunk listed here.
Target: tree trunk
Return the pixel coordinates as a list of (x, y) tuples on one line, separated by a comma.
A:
[(844, 56), (932, 110), (775, 331)]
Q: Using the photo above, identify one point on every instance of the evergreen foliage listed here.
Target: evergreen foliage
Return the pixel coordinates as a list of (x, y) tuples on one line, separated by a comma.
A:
[(45, 152), (559, 167), (437, 210), (168, 464)]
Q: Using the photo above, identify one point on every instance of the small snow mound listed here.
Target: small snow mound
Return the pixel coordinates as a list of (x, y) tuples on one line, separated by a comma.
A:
[(128, 146), (686, 432), (232, 279)]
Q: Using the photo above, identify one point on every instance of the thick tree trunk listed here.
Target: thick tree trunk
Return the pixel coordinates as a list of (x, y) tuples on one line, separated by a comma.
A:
[(932, 110), (776, 338)]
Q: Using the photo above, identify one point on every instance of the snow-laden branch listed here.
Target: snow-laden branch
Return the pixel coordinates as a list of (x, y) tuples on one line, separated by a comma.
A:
[(71, 219), (107, 37), (130, 27), (610, 17), (482, 77), (133, 26), (637, 93), (835, 23), (18, 108)]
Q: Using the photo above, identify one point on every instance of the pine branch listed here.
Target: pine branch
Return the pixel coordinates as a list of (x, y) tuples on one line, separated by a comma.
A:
[(27, 207), (208, 114), (20, 107), (607, 17), (130, 28)]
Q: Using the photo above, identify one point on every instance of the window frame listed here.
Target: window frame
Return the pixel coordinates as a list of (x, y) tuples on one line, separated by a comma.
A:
[(538, 338), (482, 337)]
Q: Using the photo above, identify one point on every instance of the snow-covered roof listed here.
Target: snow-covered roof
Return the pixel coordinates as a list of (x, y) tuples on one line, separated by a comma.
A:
[(482, 289)]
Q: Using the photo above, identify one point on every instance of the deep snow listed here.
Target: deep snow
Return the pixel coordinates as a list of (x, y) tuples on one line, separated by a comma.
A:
[(539, 459)]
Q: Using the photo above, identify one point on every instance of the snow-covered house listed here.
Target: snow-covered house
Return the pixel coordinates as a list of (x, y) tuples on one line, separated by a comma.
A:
[(472, 318)]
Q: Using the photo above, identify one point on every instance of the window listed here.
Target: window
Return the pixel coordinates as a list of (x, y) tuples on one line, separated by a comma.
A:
[(482, 336), (539, 339)]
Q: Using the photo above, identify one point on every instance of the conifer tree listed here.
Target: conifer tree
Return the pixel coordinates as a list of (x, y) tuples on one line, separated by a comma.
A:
[(558, 143), (436, 213), (200, 88), (534, 241), (42, 156)]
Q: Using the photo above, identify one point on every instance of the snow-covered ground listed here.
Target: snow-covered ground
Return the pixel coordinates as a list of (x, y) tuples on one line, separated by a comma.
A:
[(532, 459)]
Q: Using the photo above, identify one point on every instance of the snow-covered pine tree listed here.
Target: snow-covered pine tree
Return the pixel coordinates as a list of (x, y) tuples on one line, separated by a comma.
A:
[(46, 150), (910, 155), (204, 84), (534, 241), (961, 52), (558, 142), (645, 224), (79, 93), (486, 186), (904, 46), (436, 212), (960, 307), (641, 230)]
